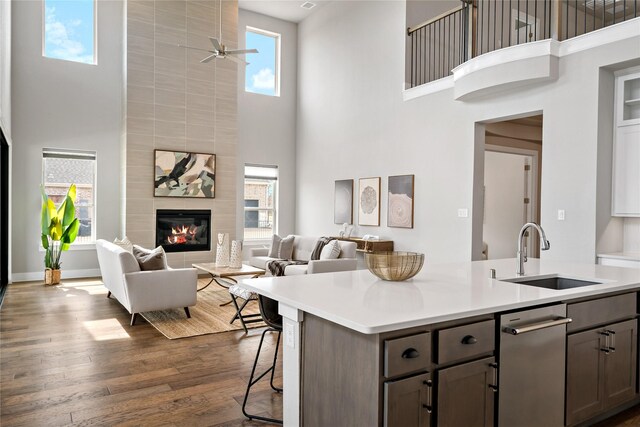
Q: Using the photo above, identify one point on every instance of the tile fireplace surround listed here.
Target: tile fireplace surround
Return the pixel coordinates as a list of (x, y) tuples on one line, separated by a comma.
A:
[(176, 103)]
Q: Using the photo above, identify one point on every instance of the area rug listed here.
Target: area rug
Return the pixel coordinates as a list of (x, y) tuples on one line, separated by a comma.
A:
[(207, 317)]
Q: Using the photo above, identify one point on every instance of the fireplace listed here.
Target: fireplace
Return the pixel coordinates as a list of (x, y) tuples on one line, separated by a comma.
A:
[(179, 230)]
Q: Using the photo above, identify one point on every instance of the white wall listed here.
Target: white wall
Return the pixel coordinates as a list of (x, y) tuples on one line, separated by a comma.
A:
[(65, 105), (5, 68), (267, 125), (352, 123)]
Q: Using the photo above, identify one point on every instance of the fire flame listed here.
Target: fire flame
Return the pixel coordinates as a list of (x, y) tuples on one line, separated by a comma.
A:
[(182, 234)]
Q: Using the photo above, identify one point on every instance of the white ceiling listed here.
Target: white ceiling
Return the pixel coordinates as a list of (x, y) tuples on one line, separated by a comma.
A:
[(288, 10)]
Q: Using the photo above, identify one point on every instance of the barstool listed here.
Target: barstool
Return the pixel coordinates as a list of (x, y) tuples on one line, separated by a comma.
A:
[(270, 316)]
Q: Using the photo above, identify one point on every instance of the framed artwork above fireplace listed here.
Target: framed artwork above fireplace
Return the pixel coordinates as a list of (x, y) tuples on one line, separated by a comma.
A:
[(183, 174)]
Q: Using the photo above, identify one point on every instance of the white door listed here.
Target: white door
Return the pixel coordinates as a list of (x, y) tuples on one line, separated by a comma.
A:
[(507, 201)]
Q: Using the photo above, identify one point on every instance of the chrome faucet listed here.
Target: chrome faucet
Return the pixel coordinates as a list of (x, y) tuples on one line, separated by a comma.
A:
[(521, 254)]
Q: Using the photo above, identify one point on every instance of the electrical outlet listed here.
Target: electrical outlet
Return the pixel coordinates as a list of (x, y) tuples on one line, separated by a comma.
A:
[(289, 335), (560, 214), (463, 213)]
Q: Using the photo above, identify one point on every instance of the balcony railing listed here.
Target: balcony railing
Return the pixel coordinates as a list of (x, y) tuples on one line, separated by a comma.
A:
[(439, 45), (476, 27)]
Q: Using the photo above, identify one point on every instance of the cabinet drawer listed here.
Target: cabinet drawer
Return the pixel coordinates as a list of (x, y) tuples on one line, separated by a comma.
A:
[(601, 311), (407, 354), (466, 341)]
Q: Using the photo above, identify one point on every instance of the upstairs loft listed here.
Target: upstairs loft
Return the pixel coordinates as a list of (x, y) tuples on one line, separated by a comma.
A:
[(456, 48)]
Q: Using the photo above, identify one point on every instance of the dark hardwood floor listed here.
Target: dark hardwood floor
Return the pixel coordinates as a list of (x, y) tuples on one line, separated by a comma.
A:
[(69, 357)]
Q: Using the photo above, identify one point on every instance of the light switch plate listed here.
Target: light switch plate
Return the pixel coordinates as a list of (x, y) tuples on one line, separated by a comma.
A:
[(560, 214), (463, 213)]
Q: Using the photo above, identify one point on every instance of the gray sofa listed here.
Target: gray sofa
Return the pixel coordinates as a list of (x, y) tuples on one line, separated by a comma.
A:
[(302, 248)]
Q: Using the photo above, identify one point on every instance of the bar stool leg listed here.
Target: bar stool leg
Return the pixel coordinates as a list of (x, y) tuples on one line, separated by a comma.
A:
[(253, 381)]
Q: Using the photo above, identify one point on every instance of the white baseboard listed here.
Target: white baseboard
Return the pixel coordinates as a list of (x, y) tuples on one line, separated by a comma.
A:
[(66, 274)]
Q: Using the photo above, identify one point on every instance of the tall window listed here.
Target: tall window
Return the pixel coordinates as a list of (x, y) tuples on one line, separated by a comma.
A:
[(260, 190), (69, 30), (60, 169), (262, 74)]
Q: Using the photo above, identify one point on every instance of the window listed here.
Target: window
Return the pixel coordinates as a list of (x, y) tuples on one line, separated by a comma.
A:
[(60, 169), (262, 74), (260, 189), (69, 30)]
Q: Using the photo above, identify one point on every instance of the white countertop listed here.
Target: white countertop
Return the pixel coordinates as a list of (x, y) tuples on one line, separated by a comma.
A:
[(360, 301), (627, 256)]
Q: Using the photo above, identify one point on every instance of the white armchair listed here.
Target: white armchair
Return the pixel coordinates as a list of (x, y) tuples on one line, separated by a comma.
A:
[(140, 291)]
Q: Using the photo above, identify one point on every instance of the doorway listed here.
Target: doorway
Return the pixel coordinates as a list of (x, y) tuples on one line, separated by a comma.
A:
[(507, 191)]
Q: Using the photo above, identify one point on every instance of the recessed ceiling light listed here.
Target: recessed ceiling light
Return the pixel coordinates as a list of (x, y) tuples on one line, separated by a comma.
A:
[(308, 5)]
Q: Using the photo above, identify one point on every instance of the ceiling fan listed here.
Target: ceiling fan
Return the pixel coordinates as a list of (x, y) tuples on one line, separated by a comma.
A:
[(220, 50)]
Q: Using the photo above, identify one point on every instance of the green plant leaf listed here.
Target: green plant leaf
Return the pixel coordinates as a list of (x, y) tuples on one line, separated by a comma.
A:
[(45, 241), (66, 212), (72, 193), (55, 230), (47, 258), (70, 234)]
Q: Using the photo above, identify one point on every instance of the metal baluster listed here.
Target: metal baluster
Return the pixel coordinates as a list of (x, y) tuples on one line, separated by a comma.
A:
[(585, 17), (535, 20), (494, 24), (510, 21), (455, 45), (614, 13), (527, 38), (517, 30), (481, 21), (575, 29), (412, 60), (501, 23)]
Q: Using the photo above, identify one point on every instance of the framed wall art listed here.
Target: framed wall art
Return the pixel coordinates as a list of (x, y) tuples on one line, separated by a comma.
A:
[(400, 201), (343, 202), (369, 201), (182, 174)]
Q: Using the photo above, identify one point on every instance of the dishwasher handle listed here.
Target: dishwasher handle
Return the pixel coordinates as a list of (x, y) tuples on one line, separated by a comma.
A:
[(522, 329)]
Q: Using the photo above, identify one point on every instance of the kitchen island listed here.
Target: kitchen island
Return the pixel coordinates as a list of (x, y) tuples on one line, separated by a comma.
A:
[(340, 332)]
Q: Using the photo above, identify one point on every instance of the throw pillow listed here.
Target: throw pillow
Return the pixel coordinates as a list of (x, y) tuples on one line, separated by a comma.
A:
[(275, 246), (125, 243), (148, 260), (286, 248), (331, 250), (281, 248)]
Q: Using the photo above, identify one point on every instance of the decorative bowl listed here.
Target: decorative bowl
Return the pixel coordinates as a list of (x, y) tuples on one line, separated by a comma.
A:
[(394, 266)]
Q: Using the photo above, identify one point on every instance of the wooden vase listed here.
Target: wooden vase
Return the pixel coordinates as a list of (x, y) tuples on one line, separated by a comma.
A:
[(51, 277)]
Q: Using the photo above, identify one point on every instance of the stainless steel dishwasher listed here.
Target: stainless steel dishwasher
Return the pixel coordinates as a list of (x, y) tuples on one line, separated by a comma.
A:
[(532, 367)]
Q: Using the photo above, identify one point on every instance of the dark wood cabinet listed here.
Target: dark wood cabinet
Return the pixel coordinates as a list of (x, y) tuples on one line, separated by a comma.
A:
[(585, 370), (466, 394), (409, 402), (620, 363), (601, 370)]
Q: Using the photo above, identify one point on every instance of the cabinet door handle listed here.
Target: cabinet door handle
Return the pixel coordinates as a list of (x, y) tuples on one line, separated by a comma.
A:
[(612, 344), (606, 349), (410, 353), (494, 386), (469, 339), (428, 406)]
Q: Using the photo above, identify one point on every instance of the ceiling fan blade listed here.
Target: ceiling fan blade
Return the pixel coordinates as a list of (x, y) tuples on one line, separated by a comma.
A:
[(195, 48), (215, 43), (208, 58), (241, 51), (236, 59)]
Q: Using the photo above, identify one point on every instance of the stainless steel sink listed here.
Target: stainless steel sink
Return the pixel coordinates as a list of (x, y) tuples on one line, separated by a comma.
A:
[(552, 282)]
